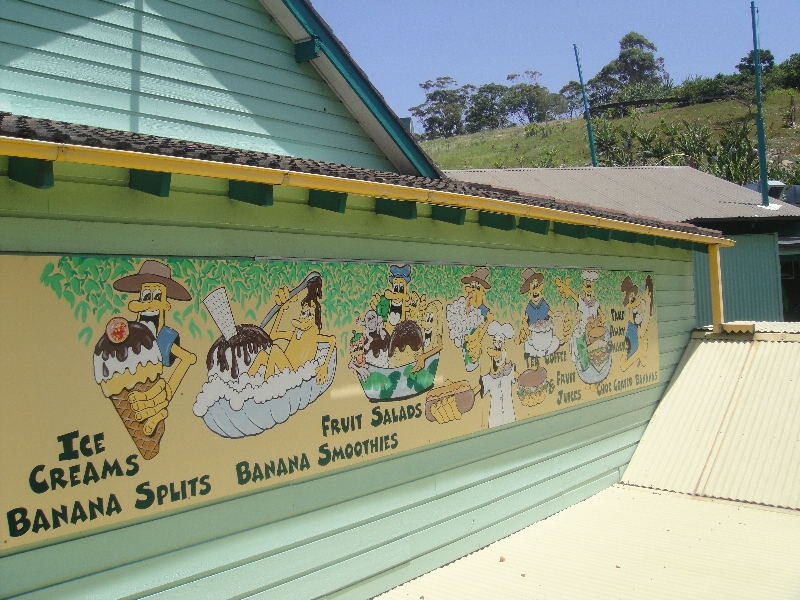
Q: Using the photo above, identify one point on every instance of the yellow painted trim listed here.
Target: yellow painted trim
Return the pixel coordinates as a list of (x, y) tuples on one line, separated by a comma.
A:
[(715, 279), (203, 168)]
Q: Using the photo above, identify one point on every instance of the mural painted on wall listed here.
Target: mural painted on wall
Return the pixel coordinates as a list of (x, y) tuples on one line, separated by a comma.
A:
[(211, 378)]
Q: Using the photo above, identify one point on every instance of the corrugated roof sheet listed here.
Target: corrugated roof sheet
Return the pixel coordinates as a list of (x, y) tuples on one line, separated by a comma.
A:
[(729, 423), (628, 542), (671, 193), (676, 444), (777, 327)]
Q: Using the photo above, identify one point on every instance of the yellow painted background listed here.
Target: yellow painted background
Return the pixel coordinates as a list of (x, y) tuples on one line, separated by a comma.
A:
[(49, 389)]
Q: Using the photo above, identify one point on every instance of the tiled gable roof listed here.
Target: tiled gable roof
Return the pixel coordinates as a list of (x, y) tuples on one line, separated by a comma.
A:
[(17, 126)]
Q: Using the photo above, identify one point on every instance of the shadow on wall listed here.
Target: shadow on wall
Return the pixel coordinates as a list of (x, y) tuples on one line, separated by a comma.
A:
[(152, 66)]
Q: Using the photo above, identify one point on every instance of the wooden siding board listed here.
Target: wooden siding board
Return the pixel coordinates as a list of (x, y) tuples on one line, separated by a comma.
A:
[(184, 130), (173, 80), (142, 84), (168, 109), (390, 578), (387, 542), (172, 22), (166, 58)]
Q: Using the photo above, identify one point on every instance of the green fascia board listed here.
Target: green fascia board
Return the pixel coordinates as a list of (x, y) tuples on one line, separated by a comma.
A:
[(35, 172), (598, 233), (332, 201), (396, 208), (260, 194), (540, 226), (150, 182), (497, 221), (448, 214), (366, 93), (307, 50), (624, 236), (570, 230)]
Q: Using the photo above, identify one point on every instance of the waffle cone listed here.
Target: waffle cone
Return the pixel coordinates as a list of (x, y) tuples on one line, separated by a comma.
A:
[(148, 445)]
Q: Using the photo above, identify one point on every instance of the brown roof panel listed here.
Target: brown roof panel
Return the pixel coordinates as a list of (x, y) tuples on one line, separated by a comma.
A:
[(679, 194)]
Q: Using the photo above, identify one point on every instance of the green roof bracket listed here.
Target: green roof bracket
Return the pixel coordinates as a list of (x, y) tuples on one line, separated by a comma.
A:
[(624, 236), (396, 208), (497, 221), (35, 172), (307, 50), (648, 240), (332, 201), (448, 214), (259, 194), (540, 226), (598, 233), (151, 182), (569, 230), (666, 242)]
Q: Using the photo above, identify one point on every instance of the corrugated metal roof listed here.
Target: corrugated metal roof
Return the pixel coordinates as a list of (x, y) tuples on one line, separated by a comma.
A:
[(777, 327), (628, 542), (676, 444), (670, 193), (729, 423), (756, 456)]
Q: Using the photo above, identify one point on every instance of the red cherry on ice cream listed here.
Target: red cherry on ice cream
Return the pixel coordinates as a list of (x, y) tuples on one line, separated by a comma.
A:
[(117, 330)]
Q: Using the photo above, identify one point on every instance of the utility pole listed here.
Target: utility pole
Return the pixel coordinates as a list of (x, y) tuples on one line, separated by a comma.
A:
[(762, 142), (586, 108)]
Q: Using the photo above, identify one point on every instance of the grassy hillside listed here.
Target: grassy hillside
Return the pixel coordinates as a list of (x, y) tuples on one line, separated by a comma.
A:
[(564, 143)]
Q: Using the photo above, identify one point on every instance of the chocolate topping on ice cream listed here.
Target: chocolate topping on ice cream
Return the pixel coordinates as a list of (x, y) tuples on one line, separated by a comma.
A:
[(407, 333), (249, 340), (140, 335)]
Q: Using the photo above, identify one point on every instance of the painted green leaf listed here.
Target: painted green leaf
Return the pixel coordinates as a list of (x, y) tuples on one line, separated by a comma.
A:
[(194, 329), (69, 297), (48, 268), (87, 333)]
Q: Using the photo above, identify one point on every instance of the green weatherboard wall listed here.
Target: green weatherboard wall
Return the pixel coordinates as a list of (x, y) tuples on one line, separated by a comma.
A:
[(753, 264), (219, 72), (360, 530)]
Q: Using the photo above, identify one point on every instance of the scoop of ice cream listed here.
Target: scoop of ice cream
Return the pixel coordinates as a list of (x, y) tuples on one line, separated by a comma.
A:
[(230, 357), (124, 348)]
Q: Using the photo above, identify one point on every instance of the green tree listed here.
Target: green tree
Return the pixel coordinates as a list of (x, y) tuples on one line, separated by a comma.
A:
[(573, 97), (636, 64), (442, 113), (486, 108), (787, 73), (747, 65)]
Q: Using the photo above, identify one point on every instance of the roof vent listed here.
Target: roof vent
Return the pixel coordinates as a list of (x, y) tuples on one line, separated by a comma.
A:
[(775, 188)]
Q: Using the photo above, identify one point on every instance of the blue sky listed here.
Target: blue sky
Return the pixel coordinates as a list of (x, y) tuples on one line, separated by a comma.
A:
[(400, 44)]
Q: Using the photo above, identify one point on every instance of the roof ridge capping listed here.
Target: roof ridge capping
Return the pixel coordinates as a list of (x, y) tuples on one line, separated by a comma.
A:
[(15, 128)]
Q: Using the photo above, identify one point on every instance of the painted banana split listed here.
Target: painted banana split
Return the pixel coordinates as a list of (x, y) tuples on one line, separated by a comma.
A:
[(213, 377)]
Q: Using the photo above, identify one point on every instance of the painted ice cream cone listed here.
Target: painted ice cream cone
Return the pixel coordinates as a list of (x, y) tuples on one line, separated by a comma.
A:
[(126, 360), (148, 445)]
